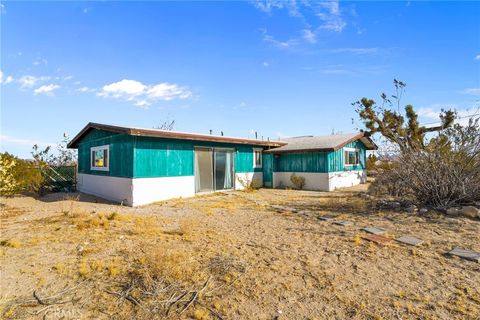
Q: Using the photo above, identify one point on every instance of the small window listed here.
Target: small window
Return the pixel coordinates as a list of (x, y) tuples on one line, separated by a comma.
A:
[(351, 157), (99, 158), (257, 158)]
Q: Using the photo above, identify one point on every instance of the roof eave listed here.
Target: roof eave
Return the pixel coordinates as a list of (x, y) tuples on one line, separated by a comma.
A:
[(169, 135)]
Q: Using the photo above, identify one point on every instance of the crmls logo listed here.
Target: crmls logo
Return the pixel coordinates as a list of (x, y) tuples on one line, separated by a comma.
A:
[(61, 313)]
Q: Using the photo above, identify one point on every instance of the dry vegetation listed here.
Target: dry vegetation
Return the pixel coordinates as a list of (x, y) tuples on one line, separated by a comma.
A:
[(230, 256)]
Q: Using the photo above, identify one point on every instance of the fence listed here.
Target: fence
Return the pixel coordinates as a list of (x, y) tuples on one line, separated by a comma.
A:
[(59, 178)]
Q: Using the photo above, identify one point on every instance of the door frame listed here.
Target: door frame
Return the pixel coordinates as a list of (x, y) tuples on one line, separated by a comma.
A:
[(214, 150)]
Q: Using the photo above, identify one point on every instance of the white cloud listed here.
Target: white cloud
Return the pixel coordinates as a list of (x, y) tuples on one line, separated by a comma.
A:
[(266, 64), (29, 81), (46, 89), (331, 16), (23, 142), (359, 51), (309, 36), (280, 44), (432, 113), (428, 112), (144, 95), (85, 89), (477, 57), (472, 91), (6, 80), (2, 8), (314, 16), (40, 61)]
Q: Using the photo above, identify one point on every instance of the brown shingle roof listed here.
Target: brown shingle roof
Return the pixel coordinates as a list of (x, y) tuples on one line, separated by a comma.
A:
[(323, 143)]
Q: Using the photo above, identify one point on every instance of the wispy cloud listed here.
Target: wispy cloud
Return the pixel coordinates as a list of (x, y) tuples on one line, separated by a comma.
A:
[(477, 57), (472, 91), (314, 16), (432, 113), (23, 142), (29, 81), (354, 70), (85, 89), (331, 16), (278, 43), (5, 80), (309, 36), (143, 95), (266, 64), (40, 61), (357, 51), (47, 89)]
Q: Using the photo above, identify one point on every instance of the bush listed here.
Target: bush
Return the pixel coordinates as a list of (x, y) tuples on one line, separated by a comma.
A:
[(443, 174), (298, 182), (17, 175)]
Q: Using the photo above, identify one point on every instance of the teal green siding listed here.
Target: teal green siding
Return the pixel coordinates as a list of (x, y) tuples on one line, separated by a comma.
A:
[(156, 157), (162, 158), (301, 162), (121, 153), (145, 157), (244, 160), (318, 161), (336, 158)]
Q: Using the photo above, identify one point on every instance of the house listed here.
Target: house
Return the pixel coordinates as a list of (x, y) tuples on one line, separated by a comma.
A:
[(137, 166)]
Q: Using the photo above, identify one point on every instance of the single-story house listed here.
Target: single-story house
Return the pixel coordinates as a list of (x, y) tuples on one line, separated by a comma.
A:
[(137, 166)]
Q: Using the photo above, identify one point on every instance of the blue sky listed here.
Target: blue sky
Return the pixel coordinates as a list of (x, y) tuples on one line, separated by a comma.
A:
[(279, 68)]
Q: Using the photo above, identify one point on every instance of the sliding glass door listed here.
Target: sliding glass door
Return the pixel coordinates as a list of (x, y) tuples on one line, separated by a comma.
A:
[(223, 169), (203, 170), (214, 169)]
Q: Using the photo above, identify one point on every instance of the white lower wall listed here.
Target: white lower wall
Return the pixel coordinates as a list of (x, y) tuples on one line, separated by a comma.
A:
[(313, 180), (140, 191), (344, 179), (111, 188), (148, 190), (255, 177), (321, 181)]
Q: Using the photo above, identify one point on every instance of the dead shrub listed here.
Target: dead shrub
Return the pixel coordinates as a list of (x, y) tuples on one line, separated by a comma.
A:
[(443, 174), (298, 181)]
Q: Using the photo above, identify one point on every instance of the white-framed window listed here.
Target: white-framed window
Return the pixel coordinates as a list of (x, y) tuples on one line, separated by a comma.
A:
[(351, 156), (99, 158), (257, 158)]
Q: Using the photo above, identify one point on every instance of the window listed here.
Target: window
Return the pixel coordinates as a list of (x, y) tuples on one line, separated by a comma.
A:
[(257, 158), (351, 157), (99, 159)]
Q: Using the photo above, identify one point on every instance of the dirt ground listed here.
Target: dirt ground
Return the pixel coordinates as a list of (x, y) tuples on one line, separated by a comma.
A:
[(231, 256)]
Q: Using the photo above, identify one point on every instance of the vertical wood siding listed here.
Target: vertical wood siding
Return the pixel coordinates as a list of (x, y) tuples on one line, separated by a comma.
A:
[(336, 158), (121, 153), (157, 157), (318, 161), (301, 162)]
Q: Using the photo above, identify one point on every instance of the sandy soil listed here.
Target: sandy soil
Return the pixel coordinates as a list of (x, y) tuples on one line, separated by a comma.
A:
[(234, 257)]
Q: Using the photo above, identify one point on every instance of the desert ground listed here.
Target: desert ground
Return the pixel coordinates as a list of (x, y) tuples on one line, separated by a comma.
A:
[(232, 256)]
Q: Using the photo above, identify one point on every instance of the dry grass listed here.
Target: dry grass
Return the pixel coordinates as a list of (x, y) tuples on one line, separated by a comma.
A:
[(231, 256)]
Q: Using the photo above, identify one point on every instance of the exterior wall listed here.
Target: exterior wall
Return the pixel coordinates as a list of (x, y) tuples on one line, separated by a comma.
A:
[(154, 157), (318, 181), (148, 190), (336, 158), (121, 153), (323, 171), (144, 170), (117, 189), (255, 177), (346, 179), (301, 162)]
